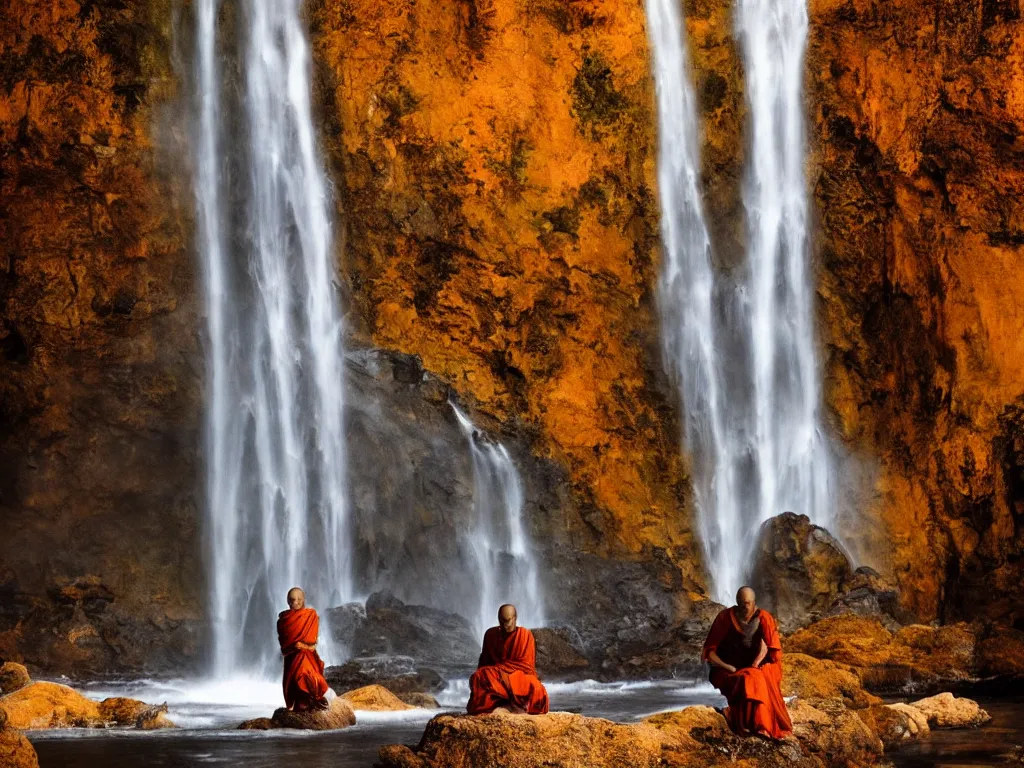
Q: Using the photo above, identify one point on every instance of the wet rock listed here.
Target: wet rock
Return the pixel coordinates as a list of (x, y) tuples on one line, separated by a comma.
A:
[(419, 700), (528, 741), (917, 720), (812, 679), (257, 724), (12, 677), (557, 658), (948, 711), (375, 698), (894, 727), (50, 705), (798, 570), (433, 637), (399, 674), (866, 593), (338, 715)]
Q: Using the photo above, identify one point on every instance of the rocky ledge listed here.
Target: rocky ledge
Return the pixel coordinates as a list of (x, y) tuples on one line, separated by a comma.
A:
[(37, 705)]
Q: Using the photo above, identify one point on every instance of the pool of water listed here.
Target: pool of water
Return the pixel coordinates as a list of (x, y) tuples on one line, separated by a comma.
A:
[(208, 713)]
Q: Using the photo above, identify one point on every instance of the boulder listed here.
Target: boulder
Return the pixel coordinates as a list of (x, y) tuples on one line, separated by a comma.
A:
[(15, 750), (257, 724), (375, 698), (12, 677), (1001, 654), (798, 570), (51, 705), (557, 658), (435, 638), (866, 593), (528, 741), (419, 700), (338, 715), (918, 721), (834, 734), (399, 674), (948, 711), (894, 727), (812, 679)]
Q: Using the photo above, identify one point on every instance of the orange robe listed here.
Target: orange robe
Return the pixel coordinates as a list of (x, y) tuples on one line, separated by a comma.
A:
[(506, 675), (754, 693), (304, 683)]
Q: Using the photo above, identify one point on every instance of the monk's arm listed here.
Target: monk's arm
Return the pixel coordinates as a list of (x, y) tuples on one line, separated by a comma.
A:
[(760, 656), (714, 659)]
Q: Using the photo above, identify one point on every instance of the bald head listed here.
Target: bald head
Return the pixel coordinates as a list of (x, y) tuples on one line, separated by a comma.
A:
[(746, 602), (507, 618), (296, 598)]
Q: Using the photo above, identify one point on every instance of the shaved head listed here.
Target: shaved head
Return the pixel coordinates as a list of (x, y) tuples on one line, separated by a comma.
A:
[(507, 618), (296, 598), (746, 602)]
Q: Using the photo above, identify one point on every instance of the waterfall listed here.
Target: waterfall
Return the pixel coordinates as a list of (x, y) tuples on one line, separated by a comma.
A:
[(273, 439), (505, 560), (742, 354)]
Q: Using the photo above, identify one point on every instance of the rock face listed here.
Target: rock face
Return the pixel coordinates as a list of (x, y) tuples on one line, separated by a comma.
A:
[(557, 657), (915, 119), (99, 394), (399, 674)]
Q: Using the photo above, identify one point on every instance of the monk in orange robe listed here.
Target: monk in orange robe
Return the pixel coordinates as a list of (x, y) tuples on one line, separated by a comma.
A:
[(746, 666), (506, 675), (298, 630)]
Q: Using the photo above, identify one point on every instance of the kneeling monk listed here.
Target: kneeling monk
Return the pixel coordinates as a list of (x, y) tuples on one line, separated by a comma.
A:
[(506, 675), (746, 666), (298, 629)]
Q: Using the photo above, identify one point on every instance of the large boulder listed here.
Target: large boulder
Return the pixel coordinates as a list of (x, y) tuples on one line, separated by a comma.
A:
[(894, 726), (834, 734), (12, 677), (798, 569), (399, 674), (866, 593), (15, 750), (339, 715), (557, 657), (436, 639), (812, 679), (50, 705), (527, 741), (948, 711), (375, 698)]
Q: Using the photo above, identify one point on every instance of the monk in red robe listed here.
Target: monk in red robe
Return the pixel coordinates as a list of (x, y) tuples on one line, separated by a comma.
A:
[(506, 675), (298, 630), (746, 666)]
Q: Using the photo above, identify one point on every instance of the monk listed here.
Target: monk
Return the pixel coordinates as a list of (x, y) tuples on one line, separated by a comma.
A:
[(746, 666), (298, 630), (506, 675)]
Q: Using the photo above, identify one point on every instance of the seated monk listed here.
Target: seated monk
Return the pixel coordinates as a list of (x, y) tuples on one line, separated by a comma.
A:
[(298, 629), (746, 666), (506, 675)]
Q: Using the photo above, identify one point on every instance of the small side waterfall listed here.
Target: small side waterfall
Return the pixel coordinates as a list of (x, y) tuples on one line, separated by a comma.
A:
[(506, 563), (274, 440), (743, 354)]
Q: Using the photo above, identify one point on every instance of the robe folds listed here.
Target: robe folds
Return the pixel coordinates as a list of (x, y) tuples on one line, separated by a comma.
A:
[(304, 683), (754, 693), (506, 675)]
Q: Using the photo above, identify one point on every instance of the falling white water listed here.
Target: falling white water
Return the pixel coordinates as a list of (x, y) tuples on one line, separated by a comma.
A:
[(274, 441), (505, 560), (742, 355)]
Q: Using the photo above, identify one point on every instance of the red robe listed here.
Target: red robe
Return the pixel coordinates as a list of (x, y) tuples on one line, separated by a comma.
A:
[(304, 683), (506, 675), (754, 693)]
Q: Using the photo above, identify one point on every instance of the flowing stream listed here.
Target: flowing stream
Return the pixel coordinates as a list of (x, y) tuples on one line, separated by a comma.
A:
[(505, 560), (274, 440), (741, 350)]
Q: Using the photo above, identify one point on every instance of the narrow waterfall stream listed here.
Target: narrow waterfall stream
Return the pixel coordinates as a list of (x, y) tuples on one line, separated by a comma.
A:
[(742, 352), (505, 559), (274, 441)]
